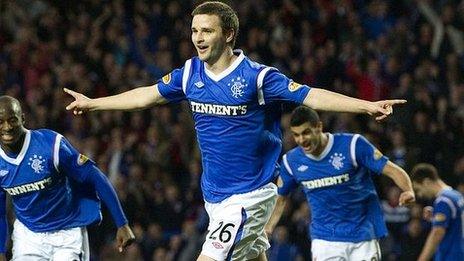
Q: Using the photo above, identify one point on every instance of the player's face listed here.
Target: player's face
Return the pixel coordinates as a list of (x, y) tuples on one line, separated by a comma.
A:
[(11, 124), (422, 190), (208, 37), (308, 137)]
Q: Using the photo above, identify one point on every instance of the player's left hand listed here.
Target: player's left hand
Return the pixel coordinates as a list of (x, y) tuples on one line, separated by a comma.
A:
[(124, 237), (407, 197), (382, 109)]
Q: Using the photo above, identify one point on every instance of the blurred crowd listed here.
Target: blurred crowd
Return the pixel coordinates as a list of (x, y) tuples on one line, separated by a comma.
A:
[(369, 49)]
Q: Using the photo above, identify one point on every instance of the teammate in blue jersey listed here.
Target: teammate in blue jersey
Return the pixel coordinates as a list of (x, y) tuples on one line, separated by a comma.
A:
[(446, 239), (235, 105), (335, 172), (55, 192)]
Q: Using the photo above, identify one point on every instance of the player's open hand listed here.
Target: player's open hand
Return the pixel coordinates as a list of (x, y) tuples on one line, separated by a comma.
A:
[(80, 104), (407, 197), (382, 109), (124, 237), (427, 213)]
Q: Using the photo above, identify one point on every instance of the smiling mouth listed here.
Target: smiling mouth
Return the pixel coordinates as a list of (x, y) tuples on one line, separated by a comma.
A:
[(7, 136), (202, 49)]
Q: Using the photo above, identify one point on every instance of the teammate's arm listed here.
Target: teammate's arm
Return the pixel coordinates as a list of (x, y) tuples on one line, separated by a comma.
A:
[(83, 170), (320, 99), (3, 226), (278, 210), (135, 99), (402, 180), (433, 241)]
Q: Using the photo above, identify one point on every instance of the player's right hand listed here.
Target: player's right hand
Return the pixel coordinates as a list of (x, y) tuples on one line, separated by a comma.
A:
[(124, 237), (80, 104), (427, 213)]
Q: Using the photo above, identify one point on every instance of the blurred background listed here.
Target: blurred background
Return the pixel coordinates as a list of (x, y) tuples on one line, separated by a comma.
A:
[(368, 49)]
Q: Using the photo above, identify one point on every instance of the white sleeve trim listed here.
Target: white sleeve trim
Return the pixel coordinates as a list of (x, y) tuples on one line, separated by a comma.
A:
[(56, 151), (287, 166), (353, 150), (450, 204), (259, 85), (186, 74)]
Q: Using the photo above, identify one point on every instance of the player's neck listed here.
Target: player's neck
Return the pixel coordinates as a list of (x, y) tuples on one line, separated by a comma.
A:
[(440, 186), (16, 147), (324, 142), (223, 62)]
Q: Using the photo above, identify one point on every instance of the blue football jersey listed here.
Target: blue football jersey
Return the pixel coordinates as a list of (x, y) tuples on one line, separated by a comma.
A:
[(44, 198), (237, 120), (448, 212), (339, 188)]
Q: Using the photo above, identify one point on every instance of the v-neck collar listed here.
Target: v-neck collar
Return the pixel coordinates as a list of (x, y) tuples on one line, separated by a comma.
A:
[(21, 154), (228, 70), (326, 150)]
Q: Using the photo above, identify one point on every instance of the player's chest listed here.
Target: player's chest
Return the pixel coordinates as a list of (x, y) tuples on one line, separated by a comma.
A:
[(34, 169), (335, 165), (236, 89)]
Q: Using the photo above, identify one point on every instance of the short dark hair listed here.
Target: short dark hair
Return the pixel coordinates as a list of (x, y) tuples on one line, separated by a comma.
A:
[(424, 171), (227, 15), (303, 114)]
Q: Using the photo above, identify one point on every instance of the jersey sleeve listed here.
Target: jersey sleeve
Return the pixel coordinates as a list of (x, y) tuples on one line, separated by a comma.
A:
[(275, 86), (82, 169), (3, 222), (442, 212), (170, 85), (288, 180), (367, 155)]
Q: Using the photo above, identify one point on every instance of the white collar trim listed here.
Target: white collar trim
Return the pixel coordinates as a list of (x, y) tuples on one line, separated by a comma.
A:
[(326, 150), (19, 158), (228, 70)]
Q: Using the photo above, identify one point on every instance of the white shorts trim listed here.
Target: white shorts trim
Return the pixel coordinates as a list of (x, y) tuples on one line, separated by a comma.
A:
[(62, 245), (333, 250), (236, 227)]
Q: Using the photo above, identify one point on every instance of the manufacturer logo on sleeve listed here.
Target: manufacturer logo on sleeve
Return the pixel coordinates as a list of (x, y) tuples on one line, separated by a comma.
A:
[(302, 168), (3, 172)]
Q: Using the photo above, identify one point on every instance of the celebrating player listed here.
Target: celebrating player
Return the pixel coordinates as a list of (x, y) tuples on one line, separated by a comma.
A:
[(334, 171), (55, 192), (446, 239), (235, 105)]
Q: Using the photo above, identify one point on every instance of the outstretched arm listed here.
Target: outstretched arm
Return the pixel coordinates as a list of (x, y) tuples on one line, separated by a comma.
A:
[(320, 99), (78, 167), (401, 178), (135, 99)]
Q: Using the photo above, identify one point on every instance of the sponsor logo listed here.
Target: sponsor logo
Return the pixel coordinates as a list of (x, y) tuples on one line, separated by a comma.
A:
[(216, 109), (293, 86), (337, 160), (167, 78), (36, 163), (34, 186), (325, 182), (236, 86)]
